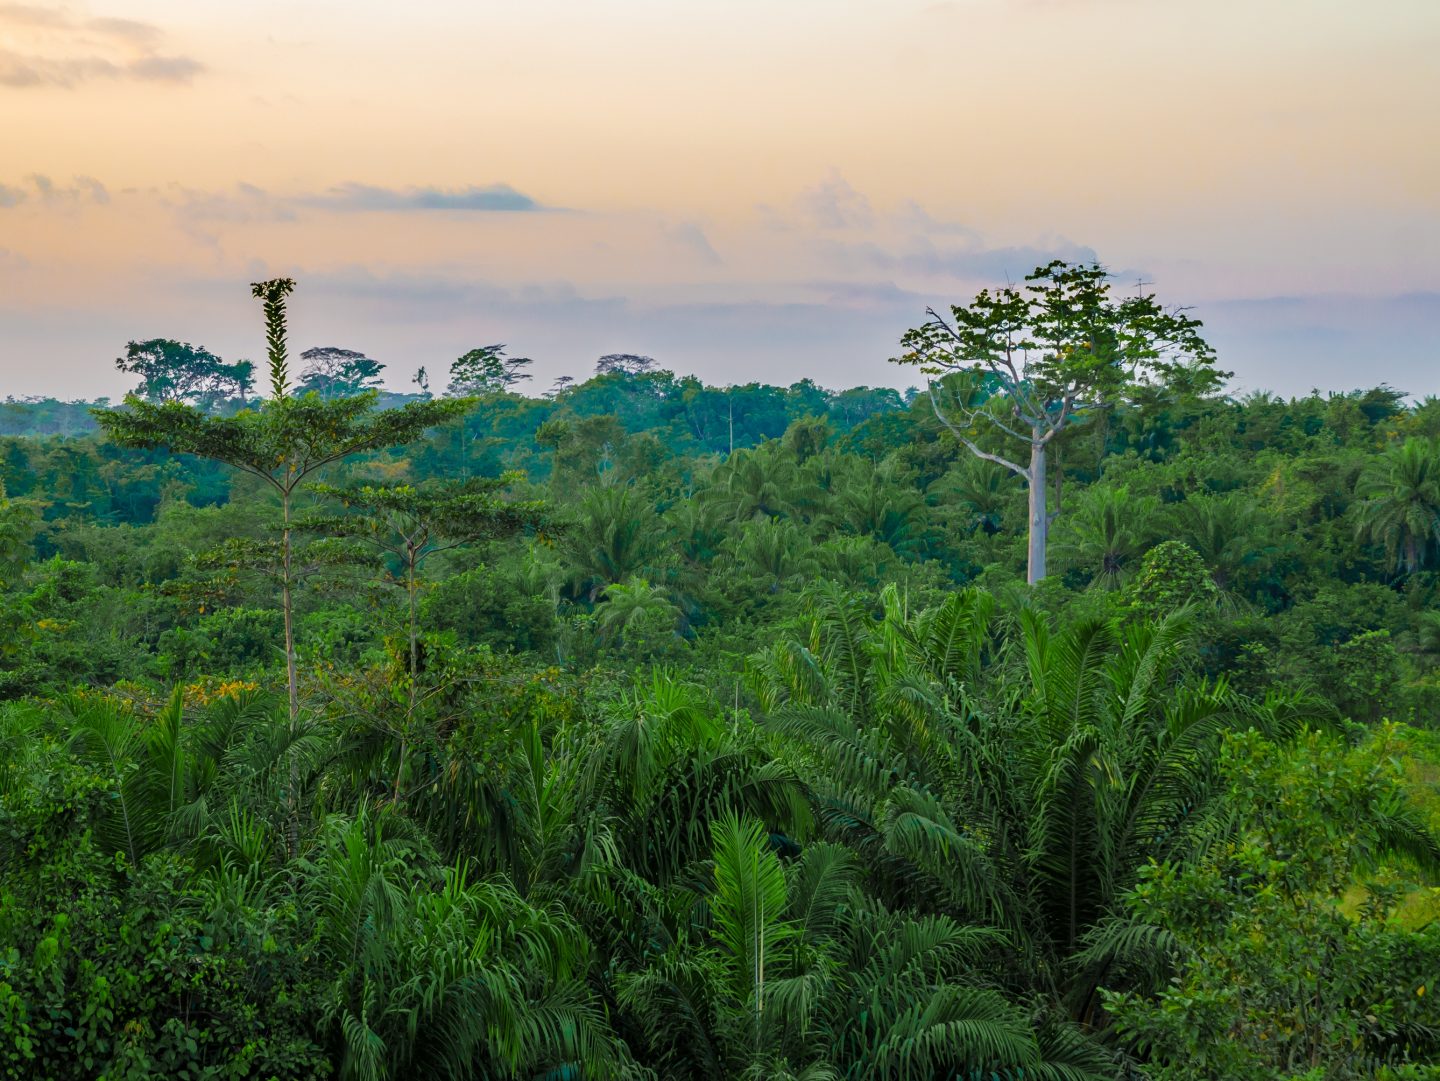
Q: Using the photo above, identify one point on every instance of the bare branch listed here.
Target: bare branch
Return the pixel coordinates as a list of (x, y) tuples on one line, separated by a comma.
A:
[(969, 444), (1004, 427), (1055, 426)]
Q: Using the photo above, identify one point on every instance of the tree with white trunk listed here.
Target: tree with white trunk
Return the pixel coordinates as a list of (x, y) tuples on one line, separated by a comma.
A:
[(1019, 365)]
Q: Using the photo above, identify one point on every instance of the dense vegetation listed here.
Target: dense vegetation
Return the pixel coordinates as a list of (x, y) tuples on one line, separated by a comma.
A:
[(650, 729)]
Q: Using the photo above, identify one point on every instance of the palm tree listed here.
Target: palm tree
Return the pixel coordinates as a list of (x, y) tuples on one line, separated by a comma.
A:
[(798, 974), (773, 551), (614, 537), (1400, 507), (1226, 531), (757, 483), (982, 487), (1108, 532), (635, 610), (872, 501), (1003, 773), (667, 766), (180, 782), (1427, 634), (441, 977)]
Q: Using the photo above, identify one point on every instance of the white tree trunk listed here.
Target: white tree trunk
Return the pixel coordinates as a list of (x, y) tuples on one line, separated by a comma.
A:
[(1039, 519)]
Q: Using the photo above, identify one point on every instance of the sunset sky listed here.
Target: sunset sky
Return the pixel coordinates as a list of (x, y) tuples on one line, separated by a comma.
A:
[(744, 190)]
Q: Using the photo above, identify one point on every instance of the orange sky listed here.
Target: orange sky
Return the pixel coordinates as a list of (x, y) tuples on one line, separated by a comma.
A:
[(743, 189)]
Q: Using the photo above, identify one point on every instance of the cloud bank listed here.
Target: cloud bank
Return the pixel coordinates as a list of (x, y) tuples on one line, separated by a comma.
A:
[(367, 197)]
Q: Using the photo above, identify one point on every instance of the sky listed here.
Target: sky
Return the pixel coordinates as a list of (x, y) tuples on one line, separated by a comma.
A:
[(746, 189)]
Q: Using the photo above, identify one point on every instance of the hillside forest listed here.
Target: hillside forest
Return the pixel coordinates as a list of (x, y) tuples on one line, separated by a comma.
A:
[(1067, 717)]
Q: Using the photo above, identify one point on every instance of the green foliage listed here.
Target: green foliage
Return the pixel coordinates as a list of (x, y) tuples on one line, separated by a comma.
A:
[(172, 371), (1400, 508), (272, 296), (755, 757), (1019, 366), (18, 522), (1274, 978), (488, 606), (487, 370), (639, 619), (331, 372), (1171, 577)]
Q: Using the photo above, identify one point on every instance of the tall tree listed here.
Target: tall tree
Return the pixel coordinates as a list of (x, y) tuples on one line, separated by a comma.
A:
[(332, 372), (284, 442), (624, 364), (1401, 504), (172, 371), (1034, 360), (411, 524), (487, 370)]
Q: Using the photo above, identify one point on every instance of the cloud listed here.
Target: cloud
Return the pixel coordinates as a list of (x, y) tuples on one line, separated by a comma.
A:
[(17, 15), (692, 238), (49, 46), (142, 34), (969, 262), (165, 69), (834, 204), (845, 231), (366, 197), (82, 189), (245, 204)]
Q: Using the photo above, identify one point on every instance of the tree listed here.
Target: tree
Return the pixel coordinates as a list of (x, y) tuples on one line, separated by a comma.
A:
[(1109, 532), (804, 976), (1171, 576), (1229, 532), (1275, 979), (756, 484), (871, 500), (615, 536), (411, 524), (487, 370), (1022, 365), (332, 372), (639, 616), (283, 443), (1401, 507), (624, 364), (18, 522), (1005, 774), (172, 371)]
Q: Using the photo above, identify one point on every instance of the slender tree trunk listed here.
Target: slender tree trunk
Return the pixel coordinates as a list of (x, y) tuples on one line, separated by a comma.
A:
[(1039, 519), (414, 666), (410, 586), (291, 680)]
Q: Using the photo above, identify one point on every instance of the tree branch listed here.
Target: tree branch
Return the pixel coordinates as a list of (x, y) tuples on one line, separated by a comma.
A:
[(969, 444)]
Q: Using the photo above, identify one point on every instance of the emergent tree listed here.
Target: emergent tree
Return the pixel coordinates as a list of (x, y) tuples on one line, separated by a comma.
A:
[(487, 370), (172, 371), (1022, 364), (285, 441)]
